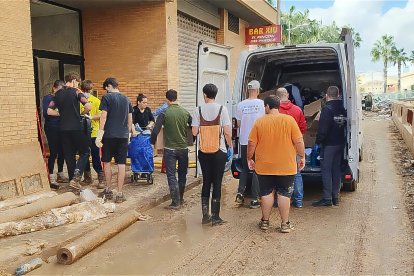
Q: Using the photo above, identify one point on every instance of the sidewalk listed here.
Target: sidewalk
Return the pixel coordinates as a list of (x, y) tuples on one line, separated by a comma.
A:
[(140, 196)]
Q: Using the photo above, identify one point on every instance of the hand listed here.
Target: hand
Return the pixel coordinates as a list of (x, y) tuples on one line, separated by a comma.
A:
[(251, 164), (134, 133), (138, 128), (301, 163), (229, 153), (87, 116), (98, 140)]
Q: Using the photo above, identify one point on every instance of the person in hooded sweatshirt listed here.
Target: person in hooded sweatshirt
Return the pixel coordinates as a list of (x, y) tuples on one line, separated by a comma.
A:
[(288, 108), (331, 139)]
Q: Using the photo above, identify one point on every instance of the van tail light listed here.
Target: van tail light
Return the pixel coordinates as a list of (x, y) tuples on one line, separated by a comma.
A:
[(348, 176), (234, 136), (235, 173)]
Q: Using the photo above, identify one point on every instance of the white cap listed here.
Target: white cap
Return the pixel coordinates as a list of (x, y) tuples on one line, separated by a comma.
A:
[(254, 84)]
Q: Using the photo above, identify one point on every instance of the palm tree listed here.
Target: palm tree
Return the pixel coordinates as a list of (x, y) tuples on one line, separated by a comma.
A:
[(412, 57), (399, 58), (298, 28), (383, 50), (357, 38)]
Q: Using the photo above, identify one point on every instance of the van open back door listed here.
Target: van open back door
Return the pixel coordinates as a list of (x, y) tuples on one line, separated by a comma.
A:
[(352, 105), (213, 67)]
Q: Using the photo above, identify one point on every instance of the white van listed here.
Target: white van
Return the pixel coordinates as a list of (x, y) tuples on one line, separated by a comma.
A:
[(312, 68)]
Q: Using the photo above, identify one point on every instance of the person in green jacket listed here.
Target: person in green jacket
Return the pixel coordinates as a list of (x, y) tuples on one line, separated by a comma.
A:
[(176, 120)]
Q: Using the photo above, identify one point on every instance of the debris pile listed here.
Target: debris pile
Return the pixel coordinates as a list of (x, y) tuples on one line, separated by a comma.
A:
[(383, 108), (81, 212), (406, 166)]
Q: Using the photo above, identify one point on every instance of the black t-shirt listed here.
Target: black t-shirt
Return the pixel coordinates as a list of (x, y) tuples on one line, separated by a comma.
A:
[(67, 102), (118, 107), (142, 118)]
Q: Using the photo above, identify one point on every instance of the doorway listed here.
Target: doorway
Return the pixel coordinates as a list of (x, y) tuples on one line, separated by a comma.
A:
[(57, 46)]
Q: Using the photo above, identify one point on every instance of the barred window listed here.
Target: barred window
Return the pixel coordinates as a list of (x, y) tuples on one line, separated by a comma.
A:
[(233, 24)]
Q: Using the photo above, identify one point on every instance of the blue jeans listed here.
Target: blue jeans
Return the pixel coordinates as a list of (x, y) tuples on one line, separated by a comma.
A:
[(246, 175), (297, 195), (96, 158), (170, 158)]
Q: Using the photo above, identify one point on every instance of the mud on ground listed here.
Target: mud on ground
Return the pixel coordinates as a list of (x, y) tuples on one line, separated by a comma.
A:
[(405, 166)]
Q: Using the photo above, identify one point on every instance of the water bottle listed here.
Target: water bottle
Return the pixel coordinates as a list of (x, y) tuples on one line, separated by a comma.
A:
[(29, 266)]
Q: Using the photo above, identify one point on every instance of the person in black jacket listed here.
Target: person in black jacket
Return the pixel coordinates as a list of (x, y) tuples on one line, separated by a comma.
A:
[(331, 139), (142, 114)]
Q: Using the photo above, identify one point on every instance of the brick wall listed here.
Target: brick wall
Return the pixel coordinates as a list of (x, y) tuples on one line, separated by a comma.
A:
[(236, 41), (129, 43), (22, 169), (17, 96)]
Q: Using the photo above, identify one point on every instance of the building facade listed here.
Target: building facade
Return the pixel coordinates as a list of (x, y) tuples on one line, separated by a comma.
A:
[(150, 46)]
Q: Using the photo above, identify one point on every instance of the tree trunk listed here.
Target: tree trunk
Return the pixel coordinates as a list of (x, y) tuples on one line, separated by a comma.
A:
[(385, 74), (399, 76)]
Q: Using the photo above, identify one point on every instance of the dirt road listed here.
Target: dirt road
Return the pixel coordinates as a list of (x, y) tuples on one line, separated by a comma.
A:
[(369, 233)]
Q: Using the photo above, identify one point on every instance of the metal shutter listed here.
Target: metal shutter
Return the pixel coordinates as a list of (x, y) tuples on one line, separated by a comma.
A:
[(190, 32)]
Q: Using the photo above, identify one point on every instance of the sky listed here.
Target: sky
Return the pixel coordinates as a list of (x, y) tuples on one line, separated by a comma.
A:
[(371, 18)]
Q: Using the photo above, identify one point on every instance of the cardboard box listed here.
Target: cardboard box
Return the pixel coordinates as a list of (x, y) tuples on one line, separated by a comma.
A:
[(315, 122), (311, 109), (309, 138)]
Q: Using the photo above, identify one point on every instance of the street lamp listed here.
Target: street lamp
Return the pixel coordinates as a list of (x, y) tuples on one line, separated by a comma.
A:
[(294, 28)]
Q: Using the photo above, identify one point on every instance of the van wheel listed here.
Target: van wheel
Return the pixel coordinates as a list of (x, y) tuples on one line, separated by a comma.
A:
[(351, 186)]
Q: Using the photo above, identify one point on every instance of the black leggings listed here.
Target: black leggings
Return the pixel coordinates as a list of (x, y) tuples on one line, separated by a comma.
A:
[(75, 141), (212, 166), (55, 147)]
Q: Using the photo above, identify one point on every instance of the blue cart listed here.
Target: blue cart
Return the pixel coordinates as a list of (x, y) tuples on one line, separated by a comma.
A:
[(141, 154)]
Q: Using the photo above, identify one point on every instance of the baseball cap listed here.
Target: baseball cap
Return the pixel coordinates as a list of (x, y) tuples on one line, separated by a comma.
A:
[(254, 84)]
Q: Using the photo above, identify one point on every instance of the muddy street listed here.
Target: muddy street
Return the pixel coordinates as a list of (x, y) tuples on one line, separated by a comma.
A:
[(369, 233)]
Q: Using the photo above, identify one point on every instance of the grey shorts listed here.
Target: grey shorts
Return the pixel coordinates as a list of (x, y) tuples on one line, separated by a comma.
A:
[(281, 184)]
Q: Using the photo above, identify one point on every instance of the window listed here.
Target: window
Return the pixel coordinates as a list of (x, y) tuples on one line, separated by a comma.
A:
[(233, 24)]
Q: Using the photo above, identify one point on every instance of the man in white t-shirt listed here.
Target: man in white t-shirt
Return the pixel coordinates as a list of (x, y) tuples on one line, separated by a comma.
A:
[(247, 112)]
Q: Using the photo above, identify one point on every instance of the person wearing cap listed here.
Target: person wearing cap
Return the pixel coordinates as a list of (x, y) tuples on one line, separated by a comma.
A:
[(248, 111)]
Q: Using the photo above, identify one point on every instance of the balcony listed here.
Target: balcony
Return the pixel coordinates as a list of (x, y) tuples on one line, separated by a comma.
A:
[(256, 12)]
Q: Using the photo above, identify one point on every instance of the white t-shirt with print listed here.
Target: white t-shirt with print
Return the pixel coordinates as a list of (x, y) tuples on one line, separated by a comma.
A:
[(247, 112), (210, 112)]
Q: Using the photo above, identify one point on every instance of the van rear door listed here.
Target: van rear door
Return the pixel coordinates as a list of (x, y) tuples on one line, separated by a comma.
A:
[(351, 104), (213, 67)]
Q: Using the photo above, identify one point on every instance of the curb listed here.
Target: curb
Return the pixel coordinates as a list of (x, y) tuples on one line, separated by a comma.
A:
[(155, 202)]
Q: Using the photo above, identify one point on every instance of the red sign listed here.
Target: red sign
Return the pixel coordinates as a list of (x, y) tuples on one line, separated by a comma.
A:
[(263, 35)]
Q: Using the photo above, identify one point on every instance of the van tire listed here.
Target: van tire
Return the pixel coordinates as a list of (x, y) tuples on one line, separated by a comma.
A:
[(351, 186)]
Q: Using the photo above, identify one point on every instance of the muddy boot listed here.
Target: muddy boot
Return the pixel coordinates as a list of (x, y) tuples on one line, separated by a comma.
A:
[(87, 178), (204, 209), (215, 213), (175, 198), (75, 182), (53, 183), (61, 178), (182, 189), (101, 180)]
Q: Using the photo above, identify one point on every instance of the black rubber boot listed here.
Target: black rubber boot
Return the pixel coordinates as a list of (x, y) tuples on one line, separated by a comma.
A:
[(175, 198), (182, 189), (205, 210), (215, 213)]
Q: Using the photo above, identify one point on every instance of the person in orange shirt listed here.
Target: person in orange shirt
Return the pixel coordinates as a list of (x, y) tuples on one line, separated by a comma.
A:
[(274, 142)]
